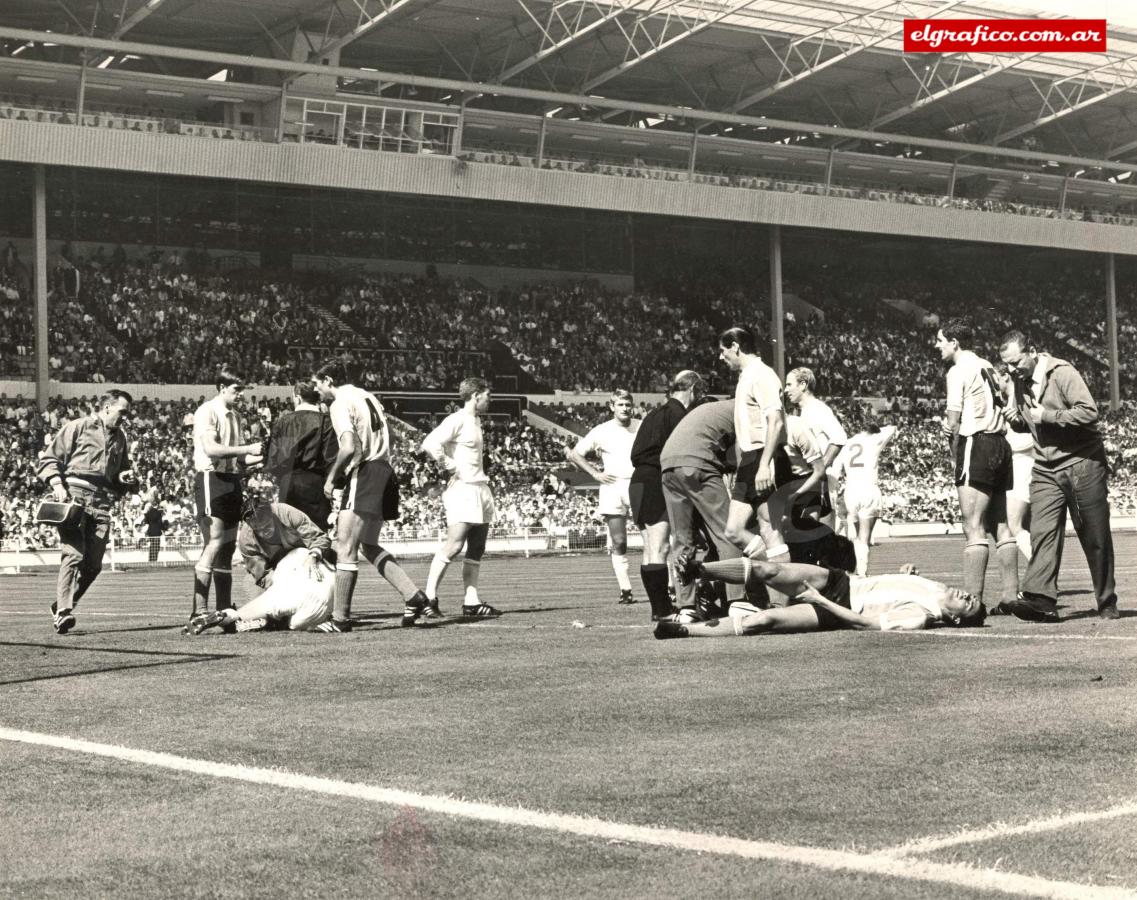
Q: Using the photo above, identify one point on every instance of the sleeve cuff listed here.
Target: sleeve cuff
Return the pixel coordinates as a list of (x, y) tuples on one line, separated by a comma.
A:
[(1050, 416)]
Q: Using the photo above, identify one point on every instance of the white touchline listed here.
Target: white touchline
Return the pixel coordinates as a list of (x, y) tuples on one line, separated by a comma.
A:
[(1044, 633), (992, 832), (583, 826)]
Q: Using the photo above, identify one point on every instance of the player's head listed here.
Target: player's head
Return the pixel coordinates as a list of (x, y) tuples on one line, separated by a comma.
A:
[(305, 392), (230, 385), (621, 404), (255, 506), (478, 388), (113, 405), (871, 428), (328, 377), (954, 335), (689, 384), (962, 610), (734, 343), (1017, 353), (800, 382)]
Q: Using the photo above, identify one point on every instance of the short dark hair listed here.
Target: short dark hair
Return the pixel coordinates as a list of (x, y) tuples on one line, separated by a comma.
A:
[(226, 377), (975, 620), (111, 395), (307, 393), (1014, 336), (738, 335), (620, 394), (958, 329), (334, 371), (471, 386)]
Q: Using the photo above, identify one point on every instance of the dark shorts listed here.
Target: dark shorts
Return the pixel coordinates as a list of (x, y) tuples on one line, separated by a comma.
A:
[(744, 490), (218, 495), (809, 509), (984, 461), (836, 590), (646, 495), (373, 490)]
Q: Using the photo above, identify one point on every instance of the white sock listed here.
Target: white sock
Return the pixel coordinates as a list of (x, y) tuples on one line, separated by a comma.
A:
[(862, 551), (437, 570), (620, 567), (471, 569)]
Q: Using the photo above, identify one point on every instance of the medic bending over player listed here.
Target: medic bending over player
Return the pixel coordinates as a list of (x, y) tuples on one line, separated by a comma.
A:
[(288, 559), (830, 599)]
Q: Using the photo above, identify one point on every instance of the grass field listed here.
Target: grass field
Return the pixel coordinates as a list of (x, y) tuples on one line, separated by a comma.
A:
[(562, 752)]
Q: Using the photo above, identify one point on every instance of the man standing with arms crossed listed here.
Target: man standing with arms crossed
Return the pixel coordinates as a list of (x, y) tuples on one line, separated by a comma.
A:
[(86, 463), (1070, 472), (458, 445), (981, 457), (370, 494), (219, 458)]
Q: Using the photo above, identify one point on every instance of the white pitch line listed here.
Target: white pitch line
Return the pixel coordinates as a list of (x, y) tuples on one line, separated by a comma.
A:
[(589, 827), (993, 832), (1044, 633)]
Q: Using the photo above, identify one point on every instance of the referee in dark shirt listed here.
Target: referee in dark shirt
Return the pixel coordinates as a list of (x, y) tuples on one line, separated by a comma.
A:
[(649, 509), (300, 449)]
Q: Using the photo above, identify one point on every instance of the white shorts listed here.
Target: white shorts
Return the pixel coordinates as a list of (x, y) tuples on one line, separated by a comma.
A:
[(469, 504), (295, 595), (614, 499), (862, 502), (1022, 465)]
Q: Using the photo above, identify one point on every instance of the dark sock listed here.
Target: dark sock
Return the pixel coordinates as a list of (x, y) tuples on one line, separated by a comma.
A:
[(223, 589), (654, 578), (202, 579), (345, 587)]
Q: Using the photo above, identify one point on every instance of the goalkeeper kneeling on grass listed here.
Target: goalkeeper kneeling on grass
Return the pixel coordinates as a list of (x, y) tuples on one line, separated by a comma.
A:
[(287, 557)]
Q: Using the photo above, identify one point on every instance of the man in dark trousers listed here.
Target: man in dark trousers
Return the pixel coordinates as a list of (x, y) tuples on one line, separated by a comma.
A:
[(1070, 472), (300, 449), (649, 509), (87, 463)]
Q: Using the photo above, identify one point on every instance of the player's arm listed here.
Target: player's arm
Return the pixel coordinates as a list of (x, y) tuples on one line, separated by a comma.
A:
[(850, 618), (775, 437), (439, 441), (349, 446), (816, 477), (576, 455), (310, 533), (211, 444), (887, 433)]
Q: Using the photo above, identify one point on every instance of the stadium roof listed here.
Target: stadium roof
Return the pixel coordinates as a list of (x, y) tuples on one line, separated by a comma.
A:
[(823, 62)]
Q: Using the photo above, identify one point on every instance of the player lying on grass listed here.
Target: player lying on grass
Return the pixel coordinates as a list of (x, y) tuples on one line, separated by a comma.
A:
[(824, 599), (287, 557)]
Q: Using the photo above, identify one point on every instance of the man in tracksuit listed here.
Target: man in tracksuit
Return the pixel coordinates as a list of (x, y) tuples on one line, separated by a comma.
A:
[(1070, 472)]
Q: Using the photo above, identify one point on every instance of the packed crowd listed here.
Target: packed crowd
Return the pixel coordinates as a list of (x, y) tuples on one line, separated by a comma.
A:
[(157, 321)]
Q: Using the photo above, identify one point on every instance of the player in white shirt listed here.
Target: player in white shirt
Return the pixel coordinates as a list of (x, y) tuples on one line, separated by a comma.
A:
[(827, 431), (976, 427), (220, 454), (859, 461), (612, 441), (370, 494), (830, 599), (458, 445)]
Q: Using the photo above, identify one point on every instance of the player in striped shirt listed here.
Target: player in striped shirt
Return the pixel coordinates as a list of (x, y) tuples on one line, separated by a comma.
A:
[(823, 599), (458, 446), (370, 494)]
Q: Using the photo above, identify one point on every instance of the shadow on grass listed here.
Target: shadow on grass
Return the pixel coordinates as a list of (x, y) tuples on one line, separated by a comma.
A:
[(172, 658), (1092, 613)]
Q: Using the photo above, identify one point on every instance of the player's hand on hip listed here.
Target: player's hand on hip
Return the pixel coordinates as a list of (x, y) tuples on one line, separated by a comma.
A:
[(606, 478)]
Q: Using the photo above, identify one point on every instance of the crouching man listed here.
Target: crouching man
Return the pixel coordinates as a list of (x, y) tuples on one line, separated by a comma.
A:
[(287, 557)]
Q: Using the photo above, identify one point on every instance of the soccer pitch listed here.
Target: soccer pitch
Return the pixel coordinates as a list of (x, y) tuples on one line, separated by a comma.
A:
[(562, 752)]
